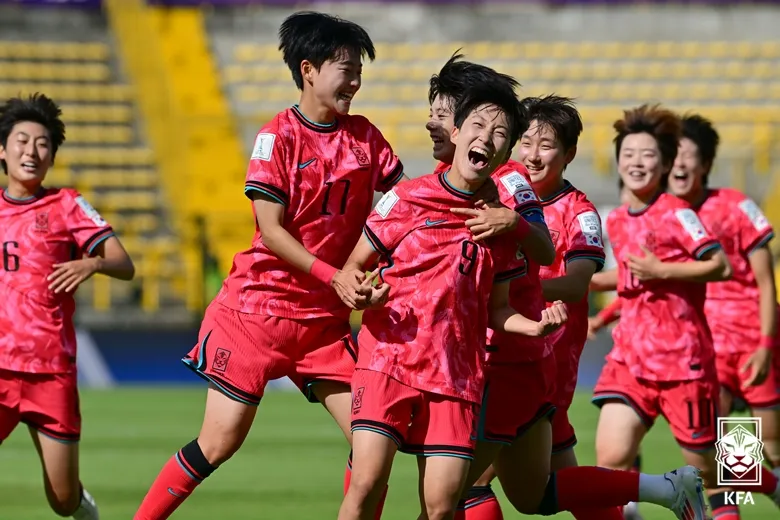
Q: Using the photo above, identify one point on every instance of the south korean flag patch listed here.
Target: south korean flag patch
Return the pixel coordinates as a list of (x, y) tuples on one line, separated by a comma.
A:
[(691, 223), (590, 225), (517, 186), (754, 214)]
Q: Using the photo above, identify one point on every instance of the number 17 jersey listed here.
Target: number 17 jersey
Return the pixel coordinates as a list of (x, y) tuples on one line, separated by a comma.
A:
[(662, 334), (325, 176)]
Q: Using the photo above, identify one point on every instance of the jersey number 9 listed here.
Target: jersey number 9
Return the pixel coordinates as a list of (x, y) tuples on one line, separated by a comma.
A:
[(468, 252)]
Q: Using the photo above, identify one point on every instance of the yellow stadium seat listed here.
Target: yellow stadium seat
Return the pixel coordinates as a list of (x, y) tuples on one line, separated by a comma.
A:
[(97, 113), (117, 178)]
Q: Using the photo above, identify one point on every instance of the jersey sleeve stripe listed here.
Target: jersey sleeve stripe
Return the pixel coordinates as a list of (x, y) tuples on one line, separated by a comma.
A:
[(760, 241), (392, 179), (96, 239), (505, 276), (377, 244), (585, 255), (267, 189), (705, 248)]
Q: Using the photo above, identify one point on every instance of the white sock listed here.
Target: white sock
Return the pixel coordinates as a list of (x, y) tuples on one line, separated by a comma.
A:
[(87, 509), (656, 489)]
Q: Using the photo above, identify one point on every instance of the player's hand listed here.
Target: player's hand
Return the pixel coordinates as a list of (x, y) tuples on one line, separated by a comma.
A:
[(379, 293), (486, 221), (67, 276), (553, 318), (757, 366), (349, 286), (648, 267), (594, 326)]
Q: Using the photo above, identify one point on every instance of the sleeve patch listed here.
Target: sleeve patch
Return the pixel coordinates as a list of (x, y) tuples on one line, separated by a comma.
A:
[(264, 146), (691, 223), (590, 225), (754, 214), (386, 203), (90, 212), (514, 183)]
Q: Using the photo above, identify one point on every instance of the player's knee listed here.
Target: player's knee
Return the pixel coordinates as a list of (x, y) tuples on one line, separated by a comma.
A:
[(366, 488), (64, 500), (217, 450), (440, 508)]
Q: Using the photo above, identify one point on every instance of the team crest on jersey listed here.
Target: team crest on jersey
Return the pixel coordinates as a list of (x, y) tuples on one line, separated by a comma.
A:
[(555, 235), (221, 358), (361, 156), (357, 400), (42, 222), (519, 252), (650, 241)]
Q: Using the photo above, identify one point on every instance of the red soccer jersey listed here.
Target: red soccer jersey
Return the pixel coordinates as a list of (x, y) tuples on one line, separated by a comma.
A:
[(525, 293), (431, 333), (36, 325), (662, 334), (732, 307), (325, 176), (575, 228)]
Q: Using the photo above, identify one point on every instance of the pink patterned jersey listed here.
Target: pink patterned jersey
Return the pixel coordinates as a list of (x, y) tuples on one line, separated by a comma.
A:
[(662, 334), (431, 333), (36, 325), (525, 293), (325, 176), (575, 228), (732, 306)]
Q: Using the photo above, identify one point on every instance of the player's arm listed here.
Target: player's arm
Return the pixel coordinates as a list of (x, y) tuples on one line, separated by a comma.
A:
[(711, 266), (107, 257), (573, 286), (504, 318), (604, 281), (607, 315), (270, 218), (763, 269)]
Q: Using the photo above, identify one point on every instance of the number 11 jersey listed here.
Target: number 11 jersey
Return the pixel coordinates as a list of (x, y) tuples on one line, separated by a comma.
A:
[(325, 176), (662, 334)]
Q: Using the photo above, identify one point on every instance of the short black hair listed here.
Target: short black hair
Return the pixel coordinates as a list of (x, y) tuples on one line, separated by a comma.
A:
[(37, 108), (319, 37), (498, 95), (557, 113), (457, 76), (701, 131)]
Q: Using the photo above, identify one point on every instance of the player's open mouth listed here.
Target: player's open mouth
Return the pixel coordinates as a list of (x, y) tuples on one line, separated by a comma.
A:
[(534, 169), (346, 97), (680, 176), (29, 167), (479, 157), (637, 175)]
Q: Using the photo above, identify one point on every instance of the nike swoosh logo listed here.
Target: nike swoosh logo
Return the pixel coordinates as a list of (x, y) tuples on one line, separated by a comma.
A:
[(303, 165), (172, 492), (429, 222)]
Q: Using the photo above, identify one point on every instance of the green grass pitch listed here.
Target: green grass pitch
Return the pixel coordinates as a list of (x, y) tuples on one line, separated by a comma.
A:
[(290, 468)]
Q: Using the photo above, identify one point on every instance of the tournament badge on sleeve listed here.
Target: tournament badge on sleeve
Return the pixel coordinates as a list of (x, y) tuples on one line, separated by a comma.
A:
[(739, 454)]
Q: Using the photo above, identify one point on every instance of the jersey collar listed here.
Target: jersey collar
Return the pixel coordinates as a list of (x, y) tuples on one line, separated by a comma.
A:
[(552, 199), (449, 188), (640, 211), (311, 125), (25, 200)]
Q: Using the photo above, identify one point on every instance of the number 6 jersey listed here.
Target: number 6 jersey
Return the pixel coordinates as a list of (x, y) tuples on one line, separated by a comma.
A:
[(430, 335), (36, 325), (662, 334), (325, 176)]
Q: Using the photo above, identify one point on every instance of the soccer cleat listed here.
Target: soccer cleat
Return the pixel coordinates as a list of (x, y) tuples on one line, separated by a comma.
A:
[(87, 509), (688, 500), (631, 511)]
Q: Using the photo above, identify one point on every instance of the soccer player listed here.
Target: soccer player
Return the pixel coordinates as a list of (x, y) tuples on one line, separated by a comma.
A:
[(520, 377), (311, 177), (52, 241), (418, 381)]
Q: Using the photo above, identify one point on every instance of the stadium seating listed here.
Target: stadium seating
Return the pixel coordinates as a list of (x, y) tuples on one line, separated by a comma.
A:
[(736, 84), (106, 159)]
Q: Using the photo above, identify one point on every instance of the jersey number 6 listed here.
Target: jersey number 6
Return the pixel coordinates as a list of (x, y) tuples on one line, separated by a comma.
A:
[(468, 252), (10, 260)]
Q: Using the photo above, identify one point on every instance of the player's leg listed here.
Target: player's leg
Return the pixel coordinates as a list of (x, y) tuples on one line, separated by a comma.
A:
[(50, 408), (381, 413), (10, 400), (238, 354), (442, 434)]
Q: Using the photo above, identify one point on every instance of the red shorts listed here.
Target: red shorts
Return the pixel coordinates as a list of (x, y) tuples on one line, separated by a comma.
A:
[(420, 423), (765, 395), (568, 360), (690, 407), (517, 396), (47, 402), (240, 353)]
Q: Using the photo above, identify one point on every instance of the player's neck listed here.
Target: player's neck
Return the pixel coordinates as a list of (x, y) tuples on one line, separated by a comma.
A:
[(696, 197), (19, 191), (638, 202), (456, 180), (314, 111), (549, 189)]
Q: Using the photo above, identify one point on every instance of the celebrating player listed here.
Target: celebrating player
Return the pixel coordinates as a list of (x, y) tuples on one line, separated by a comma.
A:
[(418, 381), (52, 241), (514, 415), (311, 178)]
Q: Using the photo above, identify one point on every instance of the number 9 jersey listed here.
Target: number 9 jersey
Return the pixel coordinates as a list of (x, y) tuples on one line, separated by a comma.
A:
[(662, 334), (36, 325)]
